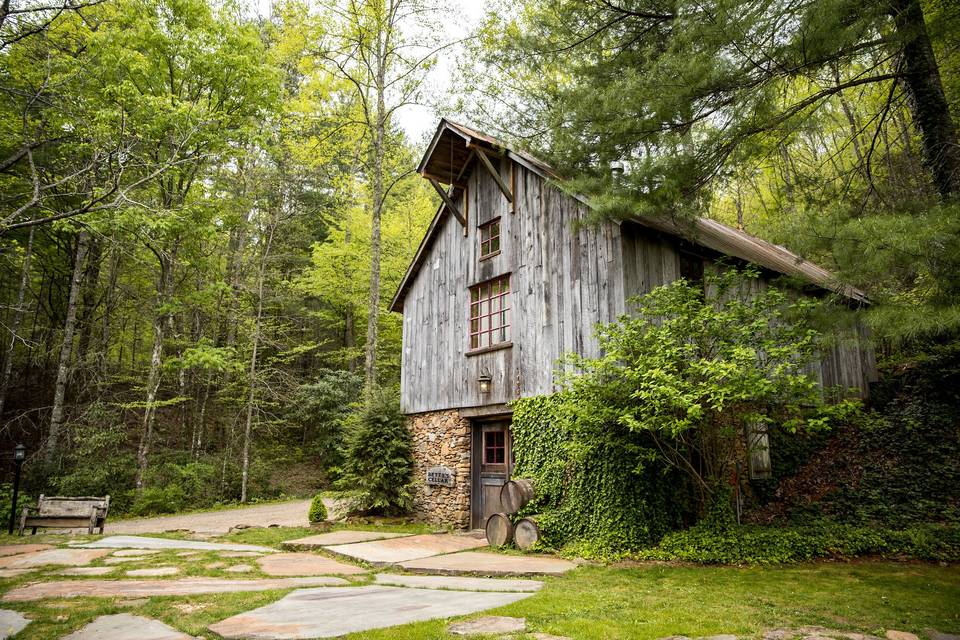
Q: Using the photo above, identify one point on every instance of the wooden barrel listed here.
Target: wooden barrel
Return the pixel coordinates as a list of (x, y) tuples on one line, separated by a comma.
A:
[(499, 530), (526, 533), (515, 494)]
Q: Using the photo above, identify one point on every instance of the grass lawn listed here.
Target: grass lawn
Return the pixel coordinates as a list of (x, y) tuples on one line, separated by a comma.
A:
[(645, 601)]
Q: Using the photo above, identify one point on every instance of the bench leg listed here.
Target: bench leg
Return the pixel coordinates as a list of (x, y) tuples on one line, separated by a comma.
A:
[(34, 532)]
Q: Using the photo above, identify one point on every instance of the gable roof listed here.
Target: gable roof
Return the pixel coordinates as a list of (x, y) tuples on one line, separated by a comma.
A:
[(450, 152)]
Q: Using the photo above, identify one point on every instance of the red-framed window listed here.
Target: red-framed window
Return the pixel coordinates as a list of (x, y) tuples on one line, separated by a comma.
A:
[(490, 239), (495, 447), (490, 313)]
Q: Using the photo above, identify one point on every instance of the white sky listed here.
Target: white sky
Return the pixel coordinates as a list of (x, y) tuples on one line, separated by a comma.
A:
[(420, 121)]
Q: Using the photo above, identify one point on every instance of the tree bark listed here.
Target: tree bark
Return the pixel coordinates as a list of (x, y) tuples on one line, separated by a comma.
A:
[(161, 321), (16, 321), (377, 151), (252, 380), (928, 103), (66, 349)]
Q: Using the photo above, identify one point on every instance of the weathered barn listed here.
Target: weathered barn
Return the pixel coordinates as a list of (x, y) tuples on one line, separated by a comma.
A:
[(505, 283)]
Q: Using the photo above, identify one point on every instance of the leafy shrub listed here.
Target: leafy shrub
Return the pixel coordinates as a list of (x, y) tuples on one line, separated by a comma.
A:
[(378, 464), (153, 500), (752, 544), (6, 502), (318, 510)]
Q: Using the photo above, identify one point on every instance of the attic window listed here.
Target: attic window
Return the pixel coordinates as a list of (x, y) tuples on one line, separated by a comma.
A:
[(490, 239), (490, 313)]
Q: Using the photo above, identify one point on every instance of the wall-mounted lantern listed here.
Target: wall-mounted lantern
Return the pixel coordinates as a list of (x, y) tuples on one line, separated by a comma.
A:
[(484, 383)]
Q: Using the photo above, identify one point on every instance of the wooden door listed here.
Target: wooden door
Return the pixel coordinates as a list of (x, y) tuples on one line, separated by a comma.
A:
[(493, 461)]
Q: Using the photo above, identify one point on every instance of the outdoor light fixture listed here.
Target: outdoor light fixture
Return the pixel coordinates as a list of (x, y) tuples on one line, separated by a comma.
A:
[(484, 382), (19, 455)]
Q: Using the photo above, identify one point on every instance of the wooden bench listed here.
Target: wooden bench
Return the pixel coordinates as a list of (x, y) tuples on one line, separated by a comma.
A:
[(63, 512)]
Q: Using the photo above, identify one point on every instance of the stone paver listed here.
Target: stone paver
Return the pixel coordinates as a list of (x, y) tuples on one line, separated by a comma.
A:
[(491, 564), (488, 625), (13, 573), (549, 636), (17, 549), (458, 583), (407, 548), (893, 634), (332, 612), (304, 564), (149, 588), (933, 634), (11, 623), (144, 542), (188, 554), (153, 571), (239, 568), (87, 571), (240, 554), (284, 514), (72, 557), (123, 560), (215, 565), (135, 553), (124, 626), (340, 537)]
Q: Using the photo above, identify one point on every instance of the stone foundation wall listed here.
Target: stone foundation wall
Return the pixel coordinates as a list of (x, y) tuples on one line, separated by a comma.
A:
[(441, 438)]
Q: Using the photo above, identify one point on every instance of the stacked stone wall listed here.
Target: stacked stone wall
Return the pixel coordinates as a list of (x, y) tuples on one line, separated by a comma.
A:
[(441, 438)]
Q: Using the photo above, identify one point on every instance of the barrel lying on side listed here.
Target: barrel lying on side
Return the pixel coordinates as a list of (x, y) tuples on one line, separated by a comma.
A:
[(515, 494), (526, 532), (499, 530)]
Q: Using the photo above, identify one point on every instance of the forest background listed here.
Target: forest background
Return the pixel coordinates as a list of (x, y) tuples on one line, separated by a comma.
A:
[(205, 211)]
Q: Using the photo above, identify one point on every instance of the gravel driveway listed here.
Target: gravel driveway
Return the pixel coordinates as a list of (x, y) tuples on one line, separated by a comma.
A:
[(284, 514)]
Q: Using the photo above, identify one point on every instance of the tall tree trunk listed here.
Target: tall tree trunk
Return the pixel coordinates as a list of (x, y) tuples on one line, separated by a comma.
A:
[(66, 349), (252, 379), (927, 100), (109, 303), (379, 138), (15, 322), (88, 303), (161, 322)]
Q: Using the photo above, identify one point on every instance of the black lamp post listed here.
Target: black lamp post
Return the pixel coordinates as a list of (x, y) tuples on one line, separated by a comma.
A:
[(19, 455)]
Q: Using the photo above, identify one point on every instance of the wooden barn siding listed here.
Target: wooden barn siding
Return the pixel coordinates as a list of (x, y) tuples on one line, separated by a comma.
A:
[(561, 290), (651, 259), (564, 282)]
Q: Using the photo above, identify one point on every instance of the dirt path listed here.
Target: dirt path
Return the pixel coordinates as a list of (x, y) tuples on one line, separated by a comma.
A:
[(285, 514)]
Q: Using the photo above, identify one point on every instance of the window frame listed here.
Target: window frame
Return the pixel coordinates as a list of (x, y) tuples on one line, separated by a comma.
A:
[(504, 312), (487, 226)]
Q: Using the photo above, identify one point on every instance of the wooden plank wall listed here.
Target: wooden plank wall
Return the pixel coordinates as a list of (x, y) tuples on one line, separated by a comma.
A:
[(565, 279), (561, 285), (651, 259)]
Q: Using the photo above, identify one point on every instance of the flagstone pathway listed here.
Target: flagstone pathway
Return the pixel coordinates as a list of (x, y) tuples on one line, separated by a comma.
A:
[(145, 542), (73, 557), (332, 612), (457, 583), (394, 550), (125, 626), (304, 564), (11, 623), (320, 606), (339, 537), (488, 564), (148, 588)]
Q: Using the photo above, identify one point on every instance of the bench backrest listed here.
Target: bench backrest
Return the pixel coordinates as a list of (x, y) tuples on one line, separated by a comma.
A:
[(72, 506)]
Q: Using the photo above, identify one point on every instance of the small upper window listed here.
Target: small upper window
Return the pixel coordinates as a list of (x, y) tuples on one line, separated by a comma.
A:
[(490, 239)]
